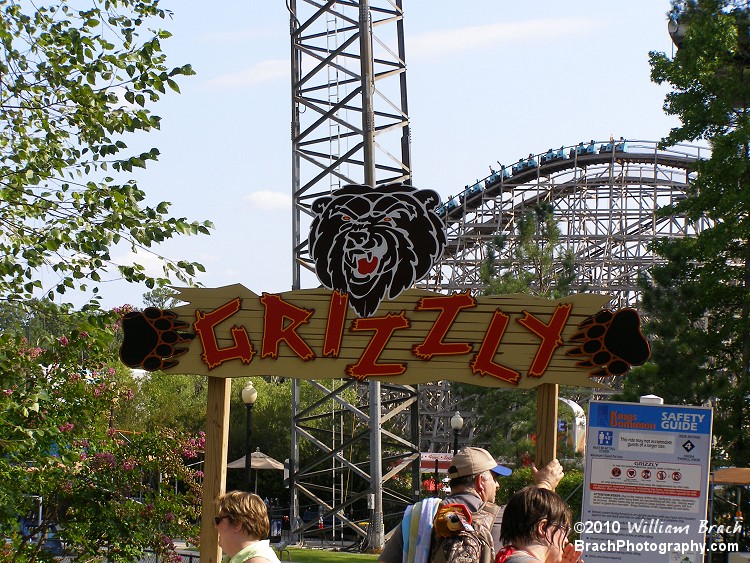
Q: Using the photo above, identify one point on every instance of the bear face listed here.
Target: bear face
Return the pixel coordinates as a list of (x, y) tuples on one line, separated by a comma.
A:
[(373, 243)]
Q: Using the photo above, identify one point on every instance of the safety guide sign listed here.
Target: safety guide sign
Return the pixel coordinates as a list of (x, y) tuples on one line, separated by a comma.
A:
[(646, 483)]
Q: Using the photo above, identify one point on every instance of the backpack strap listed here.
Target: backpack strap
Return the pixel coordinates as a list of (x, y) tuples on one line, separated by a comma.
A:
[(489, 507), (484, 518), (424, 534), (413, 529)]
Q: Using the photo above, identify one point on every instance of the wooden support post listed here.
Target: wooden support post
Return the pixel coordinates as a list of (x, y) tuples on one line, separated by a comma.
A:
[(546, 424), (215, 464)]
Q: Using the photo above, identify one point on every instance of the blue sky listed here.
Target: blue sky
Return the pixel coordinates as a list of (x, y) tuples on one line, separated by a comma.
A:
[(488, 81)]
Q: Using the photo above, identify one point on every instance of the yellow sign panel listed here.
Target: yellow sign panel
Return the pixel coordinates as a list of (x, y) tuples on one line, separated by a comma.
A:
[(514, 341)]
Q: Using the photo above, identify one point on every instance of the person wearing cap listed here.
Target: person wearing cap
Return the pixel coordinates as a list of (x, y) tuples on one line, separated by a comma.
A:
[(472, 481)]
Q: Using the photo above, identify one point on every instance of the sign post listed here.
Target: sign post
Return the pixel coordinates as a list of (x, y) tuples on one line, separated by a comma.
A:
[(215, 465), (546, 423)]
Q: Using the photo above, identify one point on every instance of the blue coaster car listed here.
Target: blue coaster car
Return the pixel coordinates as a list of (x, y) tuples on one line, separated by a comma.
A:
[(619, 146), (450, 205), (551, 155), (473, 190)]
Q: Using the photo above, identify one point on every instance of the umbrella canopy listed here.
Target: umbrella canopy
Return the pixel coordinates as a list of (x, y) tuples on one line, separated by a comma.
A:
[(258, 460)]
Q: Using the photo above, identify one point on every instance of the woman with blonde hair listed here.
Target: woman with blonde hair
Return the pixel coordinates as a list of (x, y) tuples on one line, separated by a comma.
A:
[(536, 525), (242, 523)]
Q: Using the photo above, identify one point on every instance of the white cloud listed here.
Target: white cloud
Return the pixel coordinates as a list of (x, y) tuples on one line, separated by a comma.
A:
[(265, 71), (268, 200), (450, 41)]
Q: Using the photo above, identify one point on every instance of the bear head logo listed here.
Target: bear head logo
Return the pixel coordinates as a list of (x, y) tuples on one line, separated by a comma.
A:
[(373, 243)]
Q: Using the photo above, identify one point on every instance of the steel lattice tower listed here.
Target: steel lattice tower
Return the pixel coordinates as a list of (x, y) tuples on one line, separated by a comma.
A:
[(349, 126)]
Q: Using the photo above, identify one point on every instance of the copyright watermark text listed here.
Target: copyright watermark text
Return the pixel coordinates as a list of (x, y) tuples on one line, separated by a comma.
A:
[(625, 545), (653, 526)]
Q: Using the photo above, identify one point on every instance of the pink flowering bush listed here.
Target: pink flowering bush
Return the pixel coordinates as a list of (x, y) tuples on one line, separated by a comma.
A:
[(106, 490)]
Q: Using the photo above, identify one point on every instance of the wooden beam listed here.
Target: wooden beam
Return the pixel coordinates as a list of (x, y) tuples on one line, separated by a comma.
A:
[(546, 423), (215, 465)]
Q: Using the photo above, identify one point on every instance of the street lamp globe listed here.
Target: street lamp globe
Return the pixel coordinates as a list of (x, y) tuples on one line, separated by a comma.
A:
[(457, 421), (249, 394)]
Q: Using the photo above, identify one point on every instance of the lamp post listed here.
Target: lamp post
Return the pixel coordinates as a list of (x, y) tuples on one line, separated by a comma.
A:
[(437, 468), (249, 395), (457, 423)]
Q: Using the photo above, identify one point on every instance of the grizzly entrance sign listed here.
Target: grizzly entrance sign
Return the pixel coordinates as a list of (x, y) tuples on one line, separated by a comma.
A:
[(496, 341), (369, 246)]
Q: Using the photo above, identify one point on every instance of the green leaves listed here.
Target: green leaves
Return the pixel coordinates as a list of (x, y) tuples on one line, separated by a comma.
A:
[(532, 260), (60, 395), (70, 92), (696, 301), (75, 79)]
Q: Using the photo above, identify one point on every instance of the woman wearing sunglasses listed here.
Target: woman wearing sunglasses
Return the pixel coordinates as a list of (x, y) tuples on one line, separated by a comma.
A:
[(536, 524), (243, 527)]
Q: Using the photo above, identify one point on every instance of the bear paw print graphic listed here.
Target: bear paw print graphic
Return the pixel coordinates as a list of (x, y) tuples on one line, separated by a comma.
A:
[(153, 338), (611, 342)]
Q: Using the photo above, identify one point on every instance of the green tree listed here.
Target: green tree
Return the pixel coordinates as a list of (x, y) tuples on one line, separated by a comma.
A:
[(271, 418), (675, 318), (104, 489), (33, 319), (706, 342), (161, 297), (75, 79), (73, 83), (174, 401), (535, 264)]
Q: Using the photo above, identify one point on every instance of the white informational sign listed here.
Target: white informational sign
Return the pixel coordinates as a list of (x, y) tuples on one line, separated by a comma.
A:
[(646, 483), (428, 461)]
